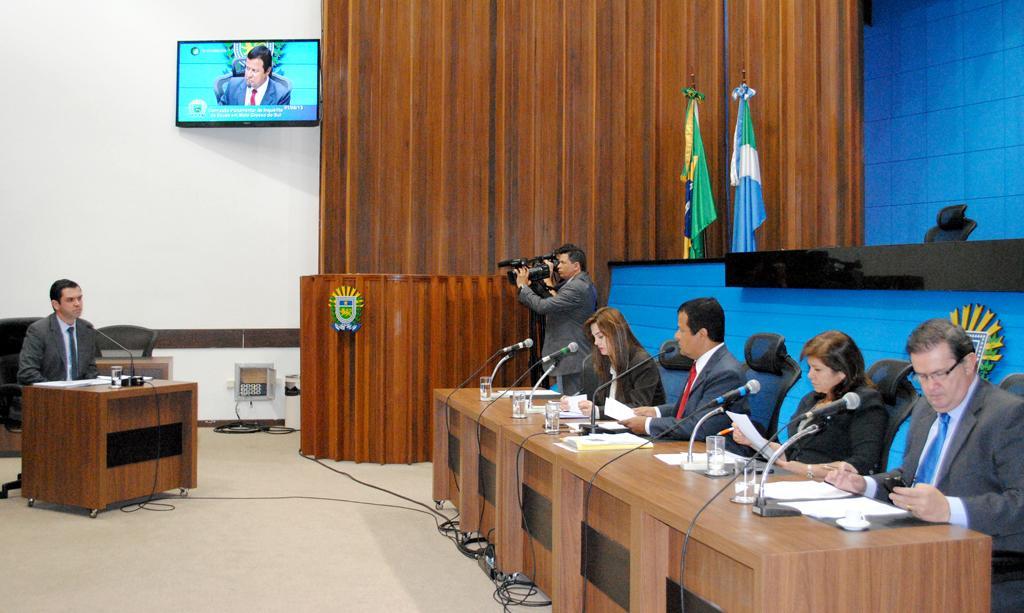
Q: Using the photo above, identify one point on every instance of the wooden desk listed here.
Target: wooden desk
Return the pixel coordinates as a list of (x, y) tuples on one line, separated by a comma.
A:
[(640, 509), (161, 367), (93, 446)]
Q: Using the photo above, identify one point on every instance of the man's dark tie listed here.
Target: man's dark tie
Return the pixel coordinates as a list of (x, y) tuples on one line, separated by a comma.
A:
[(686, 392), (930, 460), (74, 353)]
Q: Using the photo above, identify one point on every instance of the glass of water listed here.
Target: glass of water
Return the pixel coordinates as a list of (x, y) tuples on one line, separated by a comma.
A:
[(485, 388), (715, 447), (115, 376), (551, 412), (520, 402)]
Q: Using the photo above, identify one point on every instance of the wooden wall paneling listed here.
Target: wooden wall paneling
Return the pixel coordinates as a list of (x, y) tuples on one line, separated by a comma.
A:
[(394, 228), (641, 103), (456, 134), (334, 131), (549, 137)]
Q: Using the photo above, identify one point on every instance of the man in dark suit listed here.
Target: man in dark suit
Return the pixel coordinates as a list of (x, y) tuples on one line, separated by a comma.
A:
[(965, 450), (715, 371), (60, 347), (566, 310), (256, 88)]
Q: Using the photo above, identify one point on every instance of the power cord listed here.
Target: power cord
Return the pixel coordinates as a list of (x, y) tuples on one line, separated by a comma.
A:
[(148, 504), (241, 427)]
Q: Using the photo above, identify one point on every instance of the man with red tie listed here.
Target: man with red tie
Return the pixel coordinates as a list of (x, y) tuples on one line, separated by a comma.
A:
[(256, 88), (715, 372)]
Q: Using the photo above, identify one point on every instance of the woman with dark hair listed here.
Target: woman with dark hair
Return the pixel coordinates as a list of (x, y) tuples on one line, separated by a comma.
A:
[(615, 350), (851, 440)]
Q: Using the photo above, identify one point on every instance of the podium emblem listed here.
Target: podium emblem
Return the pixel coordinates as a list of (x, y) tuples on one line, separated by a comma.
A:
[(983, 328), (346, 306)]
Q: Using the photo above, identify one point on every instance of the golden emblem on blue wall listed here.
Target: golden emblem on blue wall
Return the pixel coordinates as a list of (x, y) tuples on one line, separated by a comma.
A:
[(346, 306), (983, 327)]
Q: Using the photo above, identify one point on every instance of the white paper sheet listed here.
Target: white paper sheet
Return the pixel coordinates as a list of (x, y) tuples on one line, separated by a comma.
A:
[(802, 490), (607, 425), (834, 509), (747, 428), (616, 410), (574, 402), (77, 383)]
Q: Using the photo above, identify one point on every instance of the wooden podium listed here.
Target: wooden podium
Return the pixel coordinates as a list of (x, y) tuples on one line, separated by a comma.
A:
[(366, 395), (93, 446)]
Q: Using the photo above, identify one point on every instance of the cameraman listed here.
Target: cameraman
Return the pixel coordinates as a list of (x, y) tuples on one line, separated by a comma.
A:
[(571, 302)]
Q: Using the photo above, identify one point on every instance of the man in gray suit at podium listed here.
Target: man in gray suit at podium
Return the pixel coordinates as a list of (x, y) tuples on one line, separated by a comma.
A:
[(60, 347)]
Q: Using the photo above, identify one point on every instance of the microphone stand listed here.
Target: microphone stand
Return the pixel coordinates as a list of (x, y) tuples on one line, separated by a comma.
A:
[(760, 505), (501, 362), (133, 381), (554, 363), (693, 436)]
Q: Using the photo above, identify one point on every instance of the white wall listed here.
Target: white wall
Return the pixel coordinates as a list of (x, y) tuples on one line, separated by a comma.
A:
[(163, 227)]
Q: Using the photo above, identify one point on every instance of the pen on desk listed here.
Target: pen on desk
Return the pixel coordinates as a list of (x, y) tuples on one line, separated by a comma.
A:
[(724, 432)]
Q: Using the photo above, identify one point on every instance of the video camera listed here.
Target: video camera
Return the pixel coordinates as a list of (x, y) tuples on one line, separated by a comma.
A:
[(538, 270)]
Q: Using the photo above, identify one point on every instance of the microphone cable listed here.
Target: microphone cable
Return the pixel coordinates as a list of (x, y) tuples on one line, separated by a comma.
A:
[(448, 408), (148, 504)]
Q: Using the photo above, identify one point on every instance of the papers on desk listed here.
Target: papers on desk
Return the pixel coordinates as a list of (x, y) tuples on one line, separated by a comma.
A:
[(607, 425), (746, 426), (616, 410), (836, 508), (106, 378), (699, 459), (571, 415), (802, 490), (538, 395), (624, 440), (77, 383)]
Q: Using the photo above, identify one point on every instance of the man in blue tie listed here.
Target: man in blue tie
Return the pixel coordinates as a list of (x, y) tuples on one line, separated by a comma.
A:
[(60, 347), (965, 451)]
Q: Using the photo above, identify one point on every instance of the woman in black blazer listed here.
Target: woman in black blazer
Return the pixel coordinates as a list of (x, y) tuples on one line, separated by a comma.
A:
[(851, 440), (615, 349)]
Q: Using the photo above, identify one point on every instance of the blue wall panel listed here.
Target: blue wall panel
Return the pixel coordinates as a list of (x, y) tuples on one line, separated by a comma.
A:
[(879, 321), (942, 110)]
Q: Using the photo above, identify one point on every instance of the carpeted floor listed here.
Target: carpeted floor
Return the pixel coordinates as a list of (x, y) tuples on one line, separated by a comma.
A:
[(243, 555)]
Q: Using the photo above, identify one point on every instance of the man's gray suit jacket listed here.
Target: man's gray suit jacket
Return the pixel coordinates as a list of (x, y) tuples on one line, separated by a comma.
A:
[(43, 355)]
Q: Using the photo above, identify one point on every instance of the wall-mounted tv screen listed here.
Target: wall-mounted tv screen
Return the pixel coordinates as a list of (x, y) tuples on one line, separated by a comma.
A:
[(248, 83)]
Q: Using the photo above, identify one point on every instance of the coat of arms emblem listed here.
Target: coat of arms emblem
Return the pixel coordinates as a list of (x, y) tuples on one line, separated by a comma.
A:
[(346, 305)]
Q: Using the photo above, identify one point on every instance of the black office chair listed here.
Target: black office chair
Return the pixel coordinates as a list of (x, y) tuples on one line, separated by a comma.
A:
[(140, 341), (12, 336), (1014, 383), (891, 379), (675, 369), (771, 365), (951, 225)]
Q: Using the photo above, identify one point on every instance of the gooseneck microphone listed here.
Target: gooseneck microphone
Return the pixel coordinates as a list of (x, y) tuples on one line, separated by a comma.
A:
[(849, 402), (508, 351), (592, 427), (747, 389), (525, 344), (561, 353), (133, 381)]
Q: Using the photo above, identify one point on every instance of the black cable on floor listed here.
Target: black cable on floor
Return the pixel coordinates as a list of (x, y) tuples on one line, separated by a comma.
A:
[(148, 504)]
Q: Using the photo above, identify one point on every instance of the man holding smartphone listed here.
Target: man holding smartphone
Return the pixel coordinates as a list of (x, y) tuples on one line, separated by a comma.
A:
[(965, 451)]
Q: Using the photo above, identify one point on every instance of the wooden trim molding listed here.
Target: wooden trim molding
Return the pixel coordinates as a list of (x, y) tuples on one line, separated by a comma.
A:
[(242, 338)]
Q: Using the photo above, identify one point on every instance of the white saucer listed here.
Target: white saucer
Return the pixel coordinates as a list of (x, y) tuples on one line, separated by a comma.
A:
[(846, 524)]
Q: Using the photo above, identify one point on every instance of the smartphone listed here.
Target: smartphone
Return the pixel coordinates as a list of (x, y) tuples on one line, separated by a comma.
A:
[(892, 481)]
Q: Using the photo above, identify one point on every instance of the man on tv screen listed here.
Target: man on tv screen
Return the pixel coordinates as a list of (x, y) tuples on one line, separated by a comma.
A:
[(256, 87)]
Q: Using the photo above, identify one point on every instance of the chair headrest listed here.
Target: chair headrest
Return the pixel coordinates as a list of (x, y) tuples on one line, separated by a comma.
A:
[(766, 352), (889, 377), (673, 360), (952, 217)]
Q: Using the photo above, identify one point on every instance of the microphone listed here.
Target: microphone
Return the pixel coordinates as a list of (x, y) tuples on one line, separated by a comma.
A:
[(592, 427), (526, 344), (849, 402), (133, 381), (561, 353), (749, 388)]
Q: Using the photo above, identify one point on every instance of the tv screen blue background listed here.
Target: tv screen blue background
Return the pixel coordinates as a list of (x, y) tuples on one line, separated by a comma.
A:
[(197, 72)]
